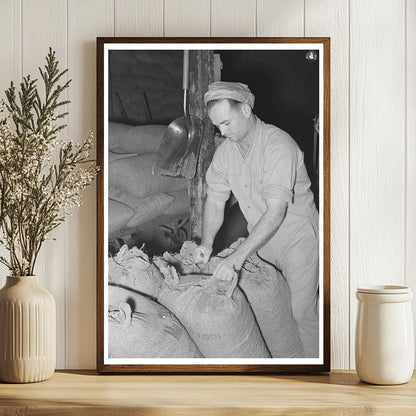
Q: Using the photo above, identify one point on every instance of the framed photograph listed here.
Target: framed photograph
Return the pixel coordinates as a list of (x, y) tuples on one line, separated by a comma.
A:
[(213, 210)]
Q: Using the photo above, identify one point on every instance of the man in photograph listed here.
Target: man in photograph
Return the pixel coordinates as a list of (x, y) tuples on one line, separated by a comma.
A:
[(264, 168)]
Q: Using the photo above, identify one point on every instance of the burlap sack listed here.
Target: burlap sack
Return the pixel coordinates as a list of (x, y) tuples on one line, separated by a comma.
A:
[(119, 215), (269, 295), (180, 205), (133, 175), (145, 209), (131, 269), (141, 328), (184, 261), (179, 209), (114, 156), (123, 138), (215, 313)]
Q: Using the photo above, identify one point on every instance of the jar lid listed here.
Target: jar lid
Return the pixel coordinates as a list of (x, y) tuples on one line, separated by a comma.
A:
[(384, 289)]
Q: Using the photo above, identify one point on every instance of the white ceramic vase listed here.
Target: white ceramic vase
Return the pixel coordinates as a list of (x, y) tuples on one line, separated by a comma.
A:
[(384, 340), (27, 331)]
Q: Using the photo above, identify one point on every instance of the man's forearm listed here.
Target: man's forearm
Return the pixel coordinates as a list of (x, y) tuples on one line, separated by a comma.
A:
[(213, 219), (266, 227)]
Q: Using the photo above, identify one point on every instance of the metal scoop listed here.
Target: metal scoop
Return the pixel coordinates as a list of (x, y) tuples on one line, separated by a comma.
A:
[(178, 152)]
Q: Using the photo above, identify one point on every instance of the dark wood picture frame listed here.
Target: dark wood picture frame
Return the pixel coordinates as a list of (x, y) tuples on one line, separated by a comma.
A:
[(324, 166)]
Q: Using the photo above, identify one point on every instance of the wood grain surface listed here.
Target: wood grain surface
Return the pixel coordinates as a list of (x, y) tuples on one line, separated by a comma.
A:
[(280, 18), (51, 266), (138, 17), (233, 18), (410, 259), (377, 149), (85, 18), (330, 18), (84, 392)]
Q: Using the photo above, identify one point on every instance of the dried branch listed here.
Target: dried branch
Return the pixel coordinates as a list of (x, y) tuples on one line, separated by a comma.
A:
[(37, 194)]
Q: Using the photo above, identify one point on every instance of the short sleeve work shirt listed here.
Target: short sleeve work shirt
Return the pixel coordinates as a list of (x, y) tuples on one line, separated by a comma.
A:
[(273, 168)]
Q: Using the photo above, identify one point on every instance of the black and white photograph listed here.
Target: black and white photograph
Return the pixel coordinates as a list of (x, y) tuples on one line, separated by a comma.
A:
[(213, 205)]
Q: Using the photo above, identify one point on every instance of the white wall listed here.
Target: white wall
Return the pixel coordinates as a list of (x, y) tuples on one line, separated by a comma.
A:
[(373, 132)]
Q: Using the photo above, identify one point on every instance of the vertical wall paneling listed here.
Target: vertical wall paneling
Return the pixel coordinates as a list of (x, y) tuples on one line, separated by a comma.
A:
[(330, 18), (377, 152), (411, 149), (280, 18), (10, 66), (86, 21), (6, 45), (138, 18), (373, 132), (10, 44), (187, 18), (45, 24), (233, 18)]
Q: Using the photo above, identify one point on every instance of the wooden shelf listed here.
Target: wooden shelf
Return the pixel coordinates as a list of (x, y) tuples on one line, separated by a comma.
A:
[(86, 393)]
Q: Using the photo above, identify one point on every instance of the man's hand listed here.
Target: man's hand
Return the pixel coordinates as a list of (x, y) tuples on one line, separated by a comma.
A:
[(228, 267), (202, 254)]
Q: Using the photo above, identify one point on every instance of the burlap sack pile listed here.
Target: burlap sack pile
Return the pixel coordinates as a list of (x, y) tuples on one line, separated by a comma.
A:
[(136, 196), (250, 317)]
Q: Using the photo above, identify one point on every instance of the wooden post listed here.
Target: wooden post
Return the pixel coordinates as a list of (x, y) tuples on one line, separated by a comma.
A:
[(201, 68)]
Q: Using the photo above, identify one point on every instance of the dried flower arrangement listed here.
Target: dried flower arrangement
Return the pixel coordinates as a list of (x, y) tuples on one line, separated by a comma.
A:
[(42, 176)]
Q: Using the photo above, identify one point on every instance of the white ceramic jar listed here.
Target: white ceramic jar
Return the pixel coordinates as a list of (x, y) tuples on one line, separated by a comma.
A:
[(384, 338)]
